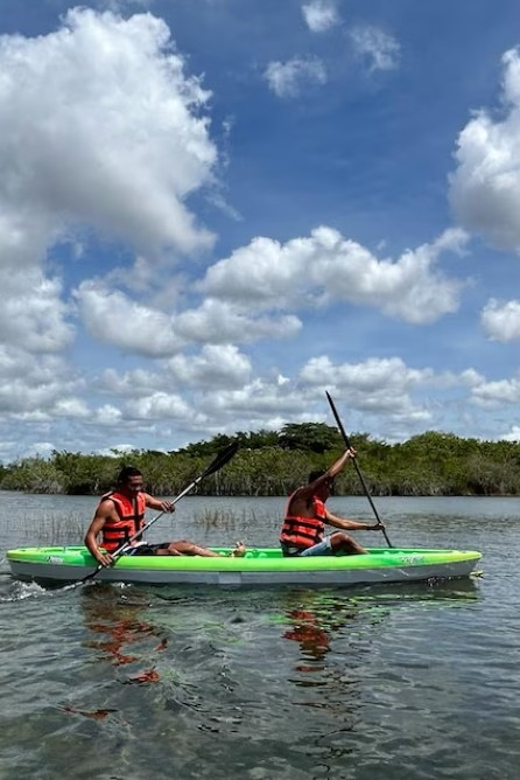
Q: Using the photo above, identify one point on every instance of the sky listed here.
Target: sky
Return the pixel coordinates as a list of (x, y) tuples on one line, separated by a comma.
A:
[(212, 211)]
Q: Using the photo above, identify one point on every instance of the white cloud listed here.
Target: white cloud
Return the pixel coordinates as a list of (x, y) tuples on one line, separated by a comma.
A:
[(40, 449), (380, 386), (255, 400), (160, 406), (116, 450), (320, 15), (75, 106), (470, 378), (220, 322), (216, 366), (485, 188), (32, 315), (266, 274), (108, 415), (501, 321), (381, 50), (131, 383), (289, 79), (32, 384), (503, 391), (113, 318), (512, 435), (72, 408), (77, 149)]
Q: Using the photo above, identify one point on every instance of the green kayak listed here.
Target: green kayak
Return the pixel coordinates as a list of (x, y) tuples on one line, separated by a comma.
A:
[(260, 566)]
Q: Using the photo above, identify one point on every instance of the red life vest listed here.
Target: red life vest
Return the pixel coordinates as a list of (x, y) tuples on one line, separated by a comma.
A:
[(131, 520), (304, 532)]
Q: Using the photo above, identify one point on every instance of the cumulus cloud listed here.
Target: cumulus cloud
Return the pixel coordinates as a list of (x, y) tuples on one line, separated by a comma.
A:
[(320, 15), (71, 407), (260, 399), (485, 187), (496, 392), (218, 322), (266, 274), (289, 79), (77, 149), (113, 318), (512, 435), (380, 50), (32, 384), (108, 415), (40, 449), (75, 106), (216, 366), (377, 385), (131, 383), (384, 388), (160, 405), (33, 316), (501, 321)]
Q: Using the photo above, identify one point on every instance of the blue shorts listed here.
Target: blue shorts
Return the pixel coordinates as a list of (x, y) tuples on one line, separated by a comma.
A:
[(322, 548)]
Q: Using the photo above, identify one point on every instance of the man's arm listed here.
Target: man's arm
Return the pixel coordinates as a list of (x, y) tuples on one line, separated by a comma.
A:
[(155, 503), (102, 513), (309, 490), (351, 525)]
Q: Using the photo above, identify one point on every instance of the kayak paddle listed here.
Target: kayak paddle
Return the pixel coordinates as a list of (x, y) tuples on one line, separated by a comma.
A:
[(360, 475)]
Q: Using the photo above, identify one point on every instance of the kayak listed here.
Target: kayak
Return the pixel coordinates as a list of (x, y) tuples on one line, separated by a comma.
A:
[(259, 566)]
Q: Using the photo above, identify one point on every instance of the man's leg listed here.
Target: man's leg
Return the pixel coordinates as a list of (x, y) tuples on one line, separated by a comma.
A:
[(337, 542), (322, 548), (186, 548), (190, 548), (342, 542)]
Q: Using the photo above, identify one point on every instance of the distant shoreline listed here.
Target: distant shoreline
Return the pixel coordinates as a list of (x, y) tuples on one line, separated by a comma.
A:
[(274, 464)]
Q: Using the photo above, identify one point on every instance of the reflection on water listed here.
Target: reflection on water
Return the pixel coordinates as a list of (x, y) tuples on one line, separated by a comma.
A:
[(407, 681), (118, 629), (317, 615)]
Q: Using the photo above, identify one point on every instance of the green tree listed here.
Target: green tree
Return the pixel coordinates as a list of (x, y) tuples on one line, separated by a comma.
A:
[(313, 437)]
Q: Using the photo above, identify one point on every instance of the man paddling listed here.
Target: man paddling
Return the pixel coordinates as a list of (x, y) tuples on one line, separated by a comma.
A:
[(303, 530), (120, 515)]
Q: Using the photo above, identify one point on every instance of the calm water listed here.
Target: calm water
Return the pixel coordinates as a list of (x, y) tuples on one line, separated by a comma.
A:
[(130, 683)]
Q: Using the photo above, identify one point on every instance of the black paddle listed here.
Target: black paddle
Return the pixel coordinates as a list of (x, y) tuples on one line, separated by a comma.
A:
[(220, 460), (360, 475)]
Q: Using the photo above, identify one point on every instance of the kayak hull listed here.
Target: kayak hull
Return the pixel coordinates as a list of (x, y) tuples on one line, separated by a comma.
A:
[(261, 566)]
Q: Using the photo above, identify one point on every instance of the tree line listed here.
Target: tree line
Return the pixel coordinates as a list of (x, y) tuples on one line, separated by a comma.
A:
[(274, 463)]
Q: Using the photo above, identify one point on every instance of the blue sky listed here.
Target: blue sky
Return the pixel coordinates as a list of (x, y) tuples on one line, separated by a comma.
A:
[(211, 211)]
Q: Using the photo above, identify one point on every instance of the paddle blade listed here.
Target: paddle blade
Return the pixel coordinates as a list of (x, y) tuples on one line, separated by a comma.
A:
[(222, 458)]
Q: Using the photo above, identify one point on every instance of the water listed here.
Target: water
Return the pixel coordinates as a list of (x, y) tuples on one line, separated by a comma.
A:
[(130, 683)]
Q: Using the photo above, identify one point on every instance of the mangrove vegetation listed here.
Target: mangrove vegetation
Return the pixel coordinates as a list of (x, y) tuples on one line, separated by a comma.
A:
[(270, 463)]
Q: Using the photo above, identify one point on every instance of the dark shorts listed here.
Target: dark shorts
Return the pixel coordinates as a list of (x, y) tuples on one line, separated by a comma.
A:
[(146, 549)]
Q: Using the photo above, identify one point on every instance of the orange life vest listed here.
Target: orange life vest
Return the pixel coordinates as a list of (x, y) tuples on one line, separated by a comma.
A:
[(304, 532), (131, 519)]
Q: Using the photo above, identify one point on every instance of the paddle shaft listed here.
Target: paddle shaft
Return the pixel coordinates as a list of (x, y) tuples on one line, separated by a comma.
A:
[(222, 458), (358, 470)]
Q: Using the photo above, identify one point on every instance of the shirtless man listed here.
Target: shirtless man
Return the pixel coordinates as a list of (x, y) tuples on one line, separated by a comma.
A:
[(303, 530)]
